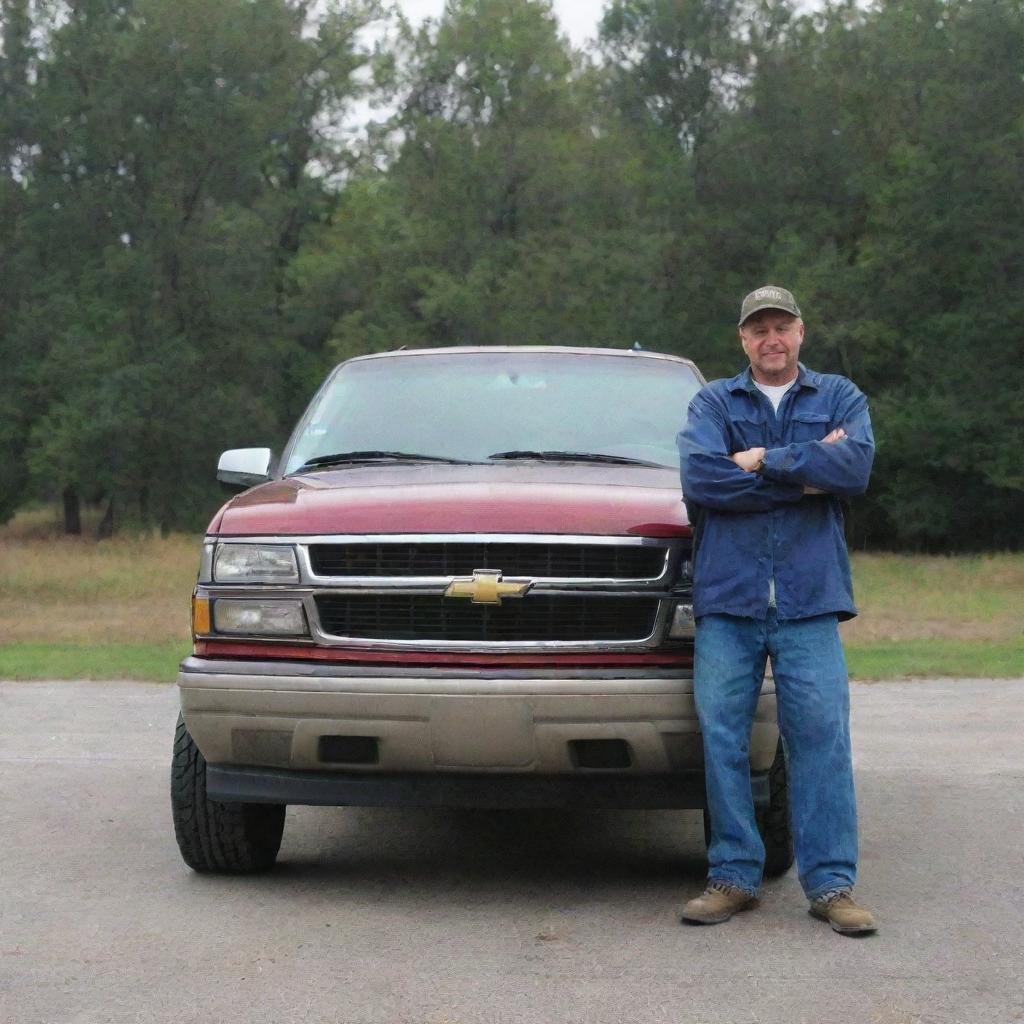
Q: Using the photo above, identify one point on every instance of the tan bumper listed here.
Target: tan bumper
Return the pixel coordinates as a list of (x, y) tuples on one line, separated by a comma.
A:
[(434, 720)]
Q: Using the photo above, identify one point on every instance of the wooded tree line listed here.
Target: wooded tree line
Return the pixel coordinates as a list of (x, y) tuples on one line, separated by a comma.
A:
[(193, 232)]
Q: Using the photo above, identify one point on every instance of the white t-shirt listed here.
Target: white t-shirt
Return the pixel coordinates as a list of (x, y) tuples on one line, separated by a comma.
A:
[(774, 391)]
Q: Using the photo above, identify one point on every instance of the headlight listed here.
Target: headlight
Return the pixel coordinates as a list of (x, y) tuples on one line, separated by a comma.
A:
[(280, 618), (683, 625), (206, 564), (255, 563)]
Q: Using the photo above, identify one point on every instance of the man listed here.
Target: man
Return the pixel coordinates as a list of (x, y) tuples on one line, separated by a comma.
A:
[(765, 459)]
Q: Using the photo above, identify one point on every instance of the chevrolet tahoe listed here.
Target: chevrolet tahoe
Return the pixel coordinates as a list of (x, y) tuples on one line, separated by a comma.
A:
[(465, 581)]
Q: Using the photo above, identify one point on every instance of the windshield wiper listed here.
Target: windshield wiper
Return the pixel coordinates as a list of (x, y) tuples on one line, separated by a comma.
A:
[(344, 458), (573, 457)]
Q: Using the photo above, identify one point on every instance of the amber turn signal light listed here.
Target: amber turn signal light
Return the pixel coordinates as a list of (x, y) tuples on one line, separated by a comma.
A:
[(200, 615)]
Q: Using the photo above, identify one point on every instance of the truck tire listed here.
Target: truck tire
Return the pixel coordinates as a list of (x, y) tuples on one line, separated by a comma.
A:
[(226, 838), (772, 820)]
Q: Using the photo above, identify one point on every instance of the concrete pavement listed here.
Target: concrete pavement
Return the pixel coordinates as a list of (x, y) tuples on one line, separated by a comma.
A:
[(390, 916)]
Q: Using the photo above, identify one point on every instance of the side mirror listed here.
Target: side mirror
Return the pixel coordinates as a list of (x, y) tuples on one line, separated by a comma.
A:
[(244, 467)]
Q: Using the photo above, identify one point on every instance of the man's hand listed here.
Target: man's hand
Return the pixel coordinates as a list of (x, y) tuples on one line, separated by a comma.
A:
[(749, 460), (830, 438)]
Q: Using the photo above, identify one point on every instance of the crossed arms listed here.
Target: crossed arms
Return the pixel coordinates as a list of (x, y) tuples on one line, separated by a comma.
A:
[(840, 463)]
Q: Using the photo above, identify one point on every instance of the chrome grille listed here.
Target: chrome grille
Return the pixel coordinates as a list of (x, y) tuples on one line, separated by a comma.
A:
[(561, 561), (537, 617)]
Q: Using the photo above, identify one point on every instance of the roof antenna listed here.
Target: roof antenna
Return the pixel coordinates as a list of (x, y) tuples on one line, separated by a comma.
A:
[(637, 347)]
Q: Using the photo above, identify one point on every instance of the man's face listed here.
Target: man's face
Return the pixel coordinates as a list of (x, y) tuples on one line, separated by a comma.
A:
[(771, 340)]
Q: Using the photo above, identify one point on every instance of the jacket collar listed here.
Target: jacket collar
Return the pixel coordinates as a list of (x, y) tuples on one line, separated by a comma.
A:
[(744, 381)]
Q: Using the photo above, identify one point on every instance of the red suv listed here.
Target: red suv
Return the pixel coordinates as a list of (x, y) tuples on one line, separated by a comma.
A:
[(465, 581)]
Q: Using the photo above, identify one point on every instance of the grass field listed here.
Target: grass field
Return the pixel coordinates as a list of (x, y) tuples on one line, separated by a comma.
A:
[(75, 608)]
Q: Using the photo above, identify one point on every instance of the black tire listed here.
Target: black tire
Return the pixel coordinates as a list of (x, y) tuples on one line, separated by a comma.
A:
[(227, 838), (772, 820)]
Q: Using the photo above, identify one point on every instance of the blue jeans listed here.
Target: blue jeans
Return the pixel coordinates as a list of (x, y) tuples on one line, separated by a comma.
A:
[(813, 701)]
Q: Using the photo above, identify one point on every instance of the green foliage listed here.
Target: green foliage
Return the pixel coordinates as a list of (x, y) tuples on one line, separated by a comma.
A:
[(169, 189), (514, 209), (193, 236)]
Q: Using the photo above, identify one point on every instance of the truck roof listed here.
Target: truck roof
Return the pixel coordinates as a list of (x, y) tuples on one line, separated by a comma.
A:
[(629, 353)]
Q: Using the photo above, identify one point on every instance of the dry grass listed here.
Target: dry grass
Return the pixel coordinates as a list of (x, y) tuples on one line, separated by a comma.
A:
[(76, 590), (922, 597), (135, 590)]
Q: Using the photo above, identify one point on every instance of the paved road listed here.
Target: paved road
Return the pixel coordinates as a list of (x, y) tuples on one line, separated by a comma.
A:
[(387, 917)]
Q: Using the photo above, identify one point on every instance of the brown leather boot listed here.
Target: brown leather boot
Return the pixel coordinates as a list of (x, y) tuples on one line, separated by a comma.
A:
[(717, 903), (843, 912)]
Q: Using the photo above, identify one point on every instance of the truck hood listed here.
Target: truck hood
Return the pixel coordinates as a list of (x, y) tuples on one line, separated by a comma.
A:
[(522, 497)]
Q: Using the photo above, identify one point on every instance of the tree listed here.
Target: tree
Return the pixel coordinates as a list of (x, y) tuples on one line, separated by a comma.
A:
[(171, 185), (511, 208), (17, 114), (944, 259)]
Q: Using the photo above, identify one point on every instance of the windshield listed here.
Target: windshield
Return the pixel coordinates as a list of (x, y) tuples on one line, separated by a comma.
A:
[(472, 405)]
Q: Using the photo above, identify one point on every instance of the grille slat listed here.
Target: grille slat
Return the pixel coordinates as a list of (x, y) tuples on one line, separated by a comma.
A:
[(535, 617), (567, 561)]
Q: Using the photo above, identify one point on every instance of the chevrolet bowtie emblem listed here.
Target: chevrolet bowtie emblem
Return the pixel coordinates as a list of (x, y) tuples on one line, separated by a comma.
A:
[(485, 586)]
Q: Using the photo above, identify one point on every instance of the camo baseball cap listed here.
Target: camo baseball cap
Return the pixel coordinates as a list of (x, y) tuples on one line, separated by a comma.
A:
[(768, 296)]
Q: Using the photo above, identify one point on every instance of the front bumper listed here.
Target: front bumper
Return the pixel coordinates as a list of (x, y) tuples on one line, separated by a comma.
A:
[(454, 736)]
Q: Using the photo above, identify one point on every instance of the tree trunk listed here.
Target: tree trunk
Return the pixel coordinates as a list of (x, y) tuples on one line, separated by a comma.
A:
[(106, 528), (72, 512)]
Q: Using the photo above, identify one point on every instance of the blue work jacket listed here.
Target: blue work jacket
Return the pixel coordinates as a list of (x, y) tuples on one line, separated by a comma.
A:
[(751, 527)]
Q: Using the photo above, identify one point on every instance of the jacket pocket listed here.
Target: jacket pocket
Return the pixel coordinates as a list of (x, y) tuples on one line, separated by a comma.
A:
[(808, 426), (744, 434)]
